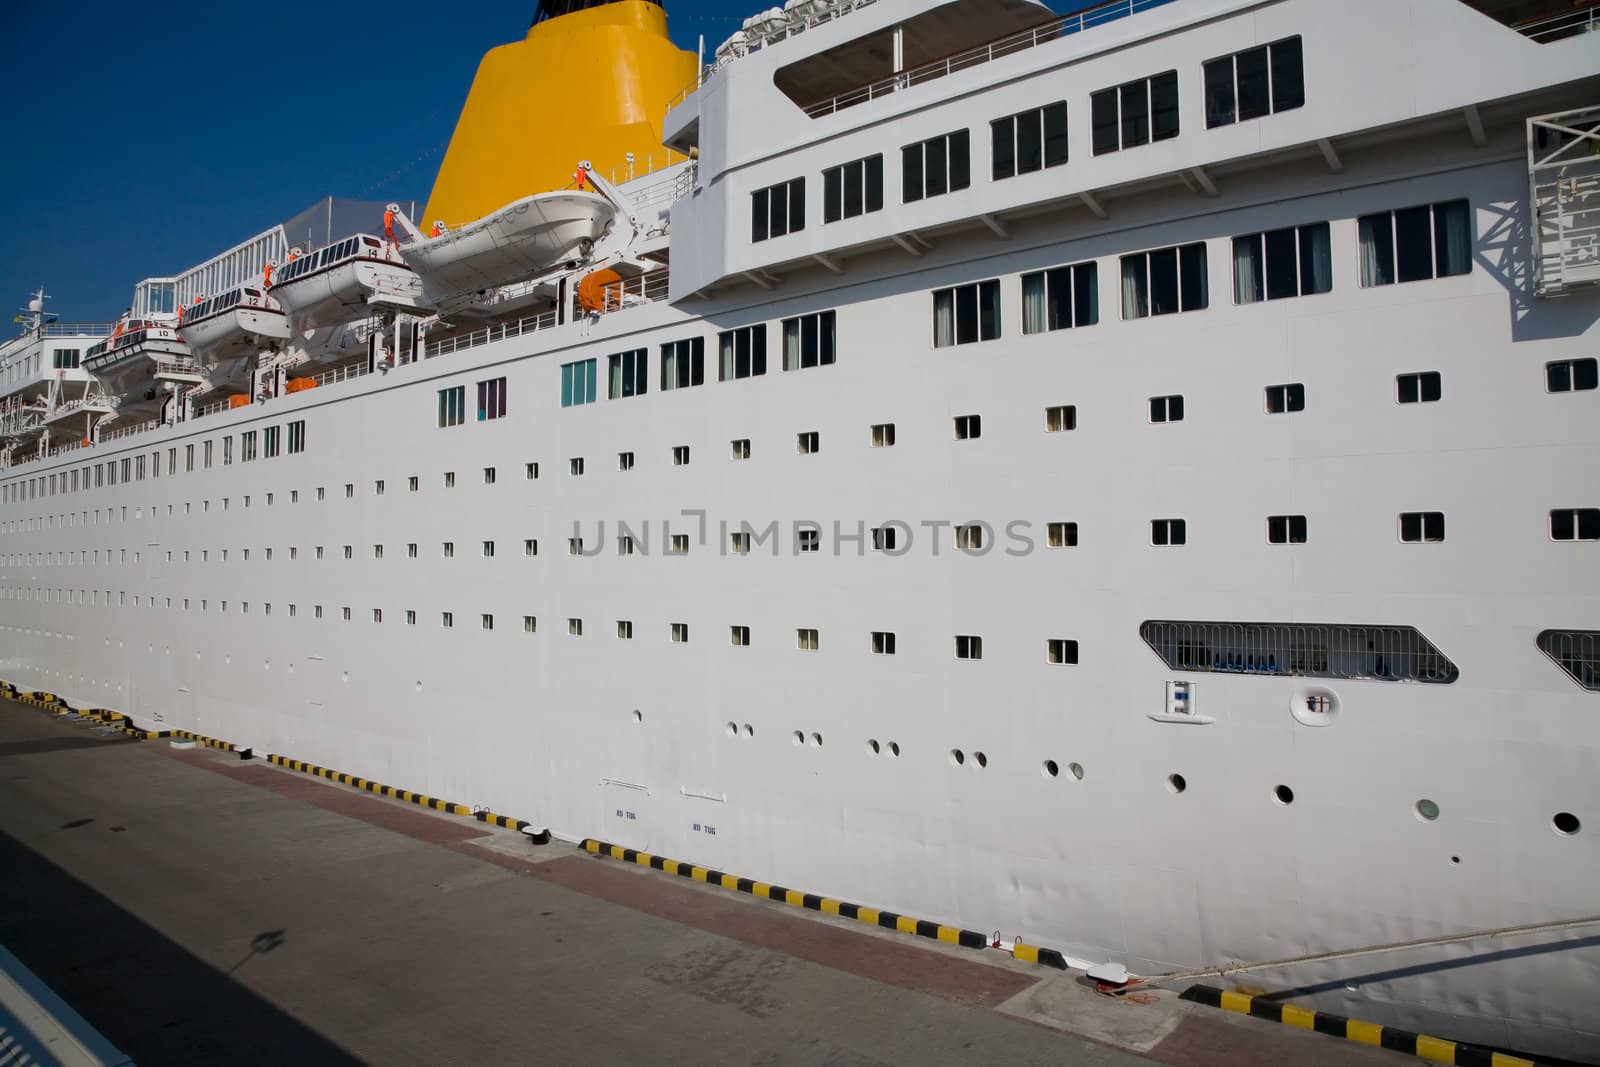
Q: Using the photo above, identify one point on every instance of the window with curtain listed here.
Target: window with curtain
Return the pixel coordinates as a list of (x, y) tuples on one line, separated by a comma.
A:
[(778, 210), (808, 341), (628, 374), (1164, 281), (683, 363), (966, 313), (743, 352), (1295, 261), (1061, 298), (452, 412), (852, 189), (1256, 82), (491, 399), (936, 166), (1415, 243), (1135, 113), (1029, 141), (578, 382)]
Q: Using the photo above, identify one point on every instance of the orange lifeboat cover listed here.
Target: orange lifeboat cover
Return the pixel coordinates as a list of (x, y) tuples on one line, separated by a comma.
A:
[(296, 385), (238, 401), (592, 289)]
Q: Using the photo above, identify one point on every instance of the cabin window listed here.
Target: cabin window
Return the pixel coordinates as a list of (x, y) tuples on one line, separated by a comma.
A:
[(1416, 243), (577, 382), (1282, 399), (1166, 408), (452, 406), (808, 341), (1136, 113), (683, 363), (1030, 140), (936, 166), (852, 189), (1422, 387), (966, 313), (1061, 298), (1295, 261), (492, 399), (1286, 529), (628, 374), (1256, 82), (270, 441), (1164, 281), (1169, 532), (1419, 527), (1575, 524), (743, 352), (778, 210), (1571, 375)]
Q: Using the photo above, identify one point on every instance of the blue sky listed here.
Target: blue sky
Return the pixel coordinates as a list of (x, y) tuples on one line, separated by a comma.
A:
[(142, 139)]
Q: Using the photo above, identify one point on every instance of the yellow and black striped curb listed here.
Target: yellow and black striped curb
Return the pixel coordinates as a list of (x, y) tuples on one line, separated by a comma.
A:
[(505, 821), (209, 742), (448, 806), (888, 920), (1434, 1049)]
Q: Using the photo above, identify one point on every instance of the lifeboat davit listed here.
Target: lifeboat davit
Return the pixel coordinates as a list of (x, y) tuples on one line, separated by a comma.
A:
[(239, 322), (336, 284), (524, 239)]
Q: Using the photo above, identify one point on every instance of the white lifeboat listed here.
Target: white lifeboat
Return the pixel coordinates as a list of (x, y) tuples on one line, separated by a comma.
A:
[(236, 323), (336, 284), (137, 353), (525, 238)]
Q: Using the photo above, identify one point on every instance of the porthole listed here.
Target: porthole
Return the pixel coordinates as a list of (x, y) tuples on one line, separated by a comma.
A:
[(749, 731), (1314, 705), (1177, 783), (894, 748), (983, 761), (1283, 794), (816, 739), (957, 757), (873, 746), (1455, 861), (798, 737), (1076, 770), (1565, 823), (733, 729), (1427, 810), (638, 716), (1050, 769)]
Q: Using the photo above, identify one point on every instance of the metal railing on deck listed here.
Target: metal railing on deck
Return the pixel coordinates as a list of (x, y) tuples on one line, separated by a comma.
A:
[(1011, 44), (497, 332), (1566, 24), (660, 159)]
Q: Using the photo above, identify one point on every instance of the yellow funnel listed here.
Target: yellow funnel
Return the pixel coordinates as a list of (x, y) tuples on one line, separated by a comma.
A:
[(593, 84)]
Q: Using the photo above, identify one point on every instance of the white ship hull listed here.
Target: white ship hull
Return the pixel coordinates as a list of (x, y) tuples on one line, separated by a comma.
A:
[(818, 719), (521, 240)]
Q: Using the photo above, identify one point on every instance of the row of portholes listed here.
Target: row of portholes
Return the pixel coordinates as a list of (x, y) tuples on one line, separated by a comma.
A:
[(1563, 822), (891, 748)]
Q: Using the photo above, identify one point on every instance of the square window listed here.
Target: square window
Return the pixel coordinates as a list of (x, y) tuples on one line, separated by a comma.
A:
[(680, 455), (413, 483), (449, 479), (449, 550), (968, 427), (625, 545), (739, 542), (447, 619), (575, 466), (969, 646), (411, 550), (530, 471), (377, 551), (678, 545), (739, 636), (808, 442), (624, 461), (1422, 387), (885, 538), (1286, 529), (1571, 375), (624, 630), (377, 487), (1168, 532), (488, 550), (574, 546), (680, 633), (741, 448), (411, 616), (1575, 524), (882, 643), (1061, 418), (1417, 527), (883, 435), (1061, 650), (488, 475), (530, 624), (530, 547), (575, 627), (969, 538), (807, 640), (809, 540), (1061, 535), (377, 614), (1166, 408), (485, 622), (349, 551), (1282, 399)]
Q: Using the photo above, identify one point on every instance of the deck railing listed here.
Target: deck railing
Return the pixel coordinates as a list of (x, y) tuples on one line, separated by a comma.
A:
[(1011, 44), (1566, 24)]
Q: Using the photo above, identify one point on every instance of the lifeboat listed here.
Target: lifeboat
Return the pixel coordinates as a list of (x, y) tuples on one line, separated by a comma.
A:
[(232, 324), (138, 352), (336, 284), (526, 238)]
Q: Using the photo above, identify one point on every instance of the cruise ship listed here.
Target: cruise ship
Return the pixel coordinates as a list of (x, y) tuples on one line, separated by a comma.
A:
[(1123, 478)]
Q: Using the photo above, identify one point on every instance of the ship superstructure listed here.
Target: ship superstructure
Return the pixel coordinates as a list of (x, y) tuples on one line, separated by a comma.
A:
[(1121, 478)]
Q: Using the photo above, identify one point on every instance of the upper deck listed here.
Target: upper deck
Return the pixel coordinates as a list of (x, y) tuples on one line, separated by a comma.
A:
[(1138, 101), (50, 352)]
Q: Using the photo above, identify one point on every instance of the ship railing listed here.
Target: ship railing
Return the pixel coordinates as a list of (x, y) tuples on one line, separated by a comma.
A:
[(497, 332), (670, 187), (129, 431), (1566, 24), (79, 329), (796, 19), (341, 374), (660, 159), (1011, 44), (646, 288)]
